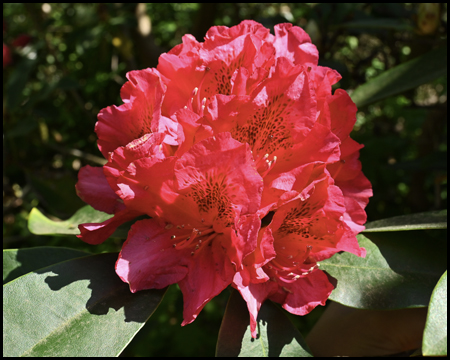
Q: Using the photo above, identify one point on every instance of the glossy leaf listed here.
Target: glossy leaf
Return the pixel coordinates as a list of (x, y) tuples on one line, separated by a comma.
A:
[(399, 270), (277, 336), (406, 76), (79, 307), (18, 262), (435, 335), (421, 221), (39, 224)]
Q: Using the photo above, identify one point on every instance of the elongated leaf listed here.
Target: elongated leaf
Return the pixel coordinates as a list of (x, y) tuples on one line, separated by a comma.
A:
[(39, 224), (277, 335), (399, 271), (409, 75), (435, 335), (421, 221), (79, 307), (18, 262)]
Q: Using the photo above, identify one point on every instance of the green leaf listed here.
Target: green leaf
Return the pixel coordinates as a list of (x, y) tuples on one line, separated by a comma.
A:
[(406, 76), (39, 224), (435, 334), (399, 270), (420, 221), (79, 307), (18, 262), (277, 336)]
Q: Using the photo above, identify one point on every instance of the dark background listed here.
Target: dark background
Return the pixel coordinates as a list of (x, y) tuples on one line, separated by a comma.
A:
[(62, 63)]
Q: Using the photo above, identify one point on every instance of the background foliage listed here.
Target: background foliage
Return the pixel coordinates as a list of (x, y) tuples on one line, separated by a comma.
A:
[(68, 61)]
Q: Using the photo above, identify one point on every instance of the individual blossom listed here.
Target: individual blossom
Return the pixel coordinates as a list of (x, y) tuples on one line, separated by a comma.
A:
[(307, 226), (204, 221), (240, 153)]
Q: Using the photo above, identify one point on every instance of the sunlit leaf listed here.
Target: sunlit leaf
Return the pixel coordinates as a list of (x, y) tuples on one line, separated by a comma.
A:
[(421, 221), (79, 307), (409, 75), (399, 271), (39, 224), (18, 262), (435, 335), (277, 336)]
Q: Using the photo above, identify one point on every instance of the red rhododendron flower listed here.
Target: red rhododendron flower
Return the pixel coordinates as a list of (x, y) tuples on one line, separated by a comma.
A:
[(225, 135)]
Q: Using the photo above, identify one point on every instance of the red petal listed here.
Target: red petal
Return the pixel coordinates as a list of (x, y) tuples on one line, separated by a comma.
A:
[(254, 295), (148, 259), (294, 43), (307, 292), (244, 240), (210, 272), (141, 113), (190, 44), (93, 188), (147, 186), (96, 233), (223, 34), (182, 74)]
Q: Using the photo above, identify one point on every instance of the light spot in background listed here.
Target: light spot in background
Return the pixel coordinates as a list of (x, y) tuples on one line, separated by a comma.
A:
[(76, 164), (46, 8)]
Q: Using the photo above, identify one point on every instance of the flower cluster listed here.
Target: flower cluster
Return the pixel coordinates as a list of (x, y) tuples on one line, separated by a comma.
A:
[(240, 154)]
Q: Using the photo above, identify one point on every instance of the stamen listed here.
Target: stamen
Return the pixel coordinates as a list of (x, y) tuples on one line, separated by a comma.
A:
[(270, 165), (189, 239)]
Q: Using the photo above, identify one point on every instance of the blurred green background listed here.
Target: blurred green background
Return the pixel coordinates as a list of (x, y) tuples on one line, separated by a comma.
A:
[(62, 63)]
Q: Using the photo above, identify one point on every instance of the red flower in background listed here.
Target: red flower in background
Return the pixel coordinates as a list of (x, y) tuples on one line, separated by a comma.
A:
[(223, 134), (7, 59), (19, 42)]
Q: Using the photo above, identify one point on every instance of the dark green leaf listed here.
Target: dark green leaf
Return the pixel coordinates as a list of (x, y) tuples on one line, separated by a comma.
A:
[(399, 271), (54, 194), (409, 75), (18, 262), (435, 335), (79, 307), (39, 224), (277, 336), (421, 221)]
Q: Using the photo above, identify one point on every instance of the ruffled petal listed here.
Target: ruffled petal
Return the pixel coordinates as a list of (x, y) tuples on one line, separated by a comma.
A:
[(294, 43), (140, 115), (304, 294)]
